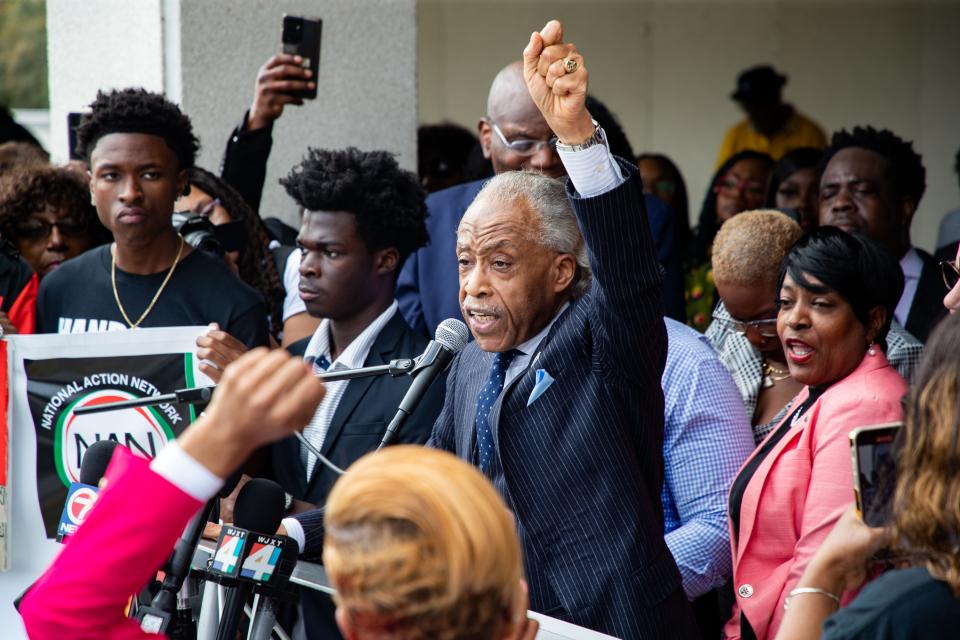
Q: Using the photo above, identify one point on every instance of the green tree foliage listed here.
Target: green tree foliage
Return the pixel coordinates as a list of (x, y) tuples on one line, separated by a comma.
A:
[(23, 54)]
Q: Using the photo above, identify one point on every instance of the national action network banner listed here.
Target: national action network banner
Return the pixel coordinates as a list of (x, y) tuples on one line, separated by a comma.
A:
[(50, 376), (57, 387)]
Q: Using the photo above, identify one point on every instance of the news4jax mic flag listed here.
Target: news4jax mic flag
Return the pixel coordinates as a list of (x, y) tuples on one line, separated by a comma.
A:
[(49, 377)]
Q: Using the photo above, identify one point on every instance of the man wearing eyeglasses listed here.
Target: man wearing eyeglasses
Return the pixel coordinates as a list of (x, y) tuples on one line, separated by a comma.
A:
[(515, 137)]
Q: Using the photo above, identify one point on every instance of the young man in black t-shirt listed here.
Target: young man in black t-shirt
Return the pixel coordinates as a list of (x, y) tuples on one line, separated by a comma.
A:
[(138, 147)]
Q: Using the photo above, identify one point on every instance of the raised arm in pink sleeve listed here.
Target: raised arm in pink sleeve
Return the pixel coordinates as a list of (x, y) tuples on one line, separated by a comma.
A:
[(129, 534)]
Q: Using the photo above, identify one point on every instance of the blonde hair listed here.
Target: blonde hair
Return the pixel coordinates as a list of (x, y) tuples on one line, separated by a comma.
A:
[(420, 545), (750, 247)]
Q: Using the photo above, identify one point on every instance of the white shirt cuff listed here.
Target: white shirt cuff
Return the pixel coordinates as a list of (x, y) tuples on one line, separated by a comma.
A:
[(295, 531), (592, 171), (185, 473)]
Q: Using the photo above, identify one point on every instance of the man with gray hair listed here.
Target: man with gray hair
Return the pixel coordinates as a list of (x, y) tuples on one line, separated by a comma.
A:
[(514, 136), (558, 399)]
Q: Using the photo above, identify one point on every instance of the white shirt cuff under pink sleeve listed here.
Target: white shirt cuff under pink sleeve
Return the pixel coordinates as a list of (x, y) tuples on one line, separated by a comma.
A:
[(185, 473)]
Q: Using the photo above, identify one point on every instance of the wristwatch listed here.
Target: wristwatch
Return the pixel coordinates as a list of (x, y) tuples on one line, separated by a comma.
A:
[(598, 137), (287, 502)]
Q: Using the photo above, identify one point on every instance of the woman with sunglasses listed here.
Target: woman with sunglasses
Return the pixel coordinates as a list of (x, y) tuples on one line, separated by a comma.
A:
[(747, 255), (45, 212), (740, 184)]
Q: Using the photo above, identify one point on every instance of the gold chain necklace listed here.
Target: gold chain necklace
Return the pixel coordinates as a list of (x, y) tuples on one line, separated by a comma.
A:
[(772, 375), (163, 285)]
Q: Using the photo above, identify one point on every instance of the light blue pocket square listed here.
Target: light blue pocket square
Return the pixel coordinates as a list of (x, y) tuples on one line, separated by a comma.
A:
[(544, 380)]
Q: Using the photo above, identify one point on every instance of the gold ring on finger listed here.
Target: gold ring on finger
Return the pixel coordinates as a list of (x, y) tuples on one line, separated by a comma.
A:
[(570, 65)]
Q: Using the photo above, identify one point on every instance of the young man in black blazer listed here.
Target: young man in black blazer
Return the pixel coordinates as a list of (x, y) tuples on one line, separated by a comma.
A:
[(362, 217)]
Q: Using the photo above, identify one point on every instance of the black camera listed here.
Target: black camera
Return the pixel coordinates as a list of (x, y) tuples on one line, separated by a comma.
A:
[(215, 239)]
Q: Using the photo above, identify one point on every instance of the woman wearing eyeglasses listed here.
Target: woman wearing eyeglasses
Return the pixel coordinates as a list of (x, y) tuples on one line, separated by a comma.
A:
[(836, 294), (740, 184), (747, 255), (45, 212)]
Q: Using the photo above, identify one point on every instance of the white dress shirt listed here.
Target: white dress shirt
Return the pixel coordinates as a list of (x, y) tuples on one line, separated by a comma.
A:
[(592, 170), (352, 357)]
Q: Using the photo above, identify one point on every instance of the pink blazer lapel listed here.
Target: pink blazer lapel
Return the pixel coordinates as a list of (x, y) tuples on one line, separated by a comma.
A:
[(751, 496)]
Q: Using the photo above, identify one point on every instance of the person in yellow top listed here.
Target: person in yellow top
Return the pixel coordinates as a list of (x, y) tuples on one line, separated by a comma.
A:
[(771, 126)]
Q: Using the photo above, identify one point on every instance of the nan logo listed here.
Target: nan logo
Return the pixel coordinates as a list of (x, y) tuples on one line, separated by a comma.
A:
[(143, 430)]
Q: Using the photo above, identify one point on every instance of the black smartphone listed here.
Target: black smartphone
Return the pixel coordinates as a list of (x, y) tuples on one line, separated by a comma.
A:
[(874, 471), (73, 120), (301, 37)]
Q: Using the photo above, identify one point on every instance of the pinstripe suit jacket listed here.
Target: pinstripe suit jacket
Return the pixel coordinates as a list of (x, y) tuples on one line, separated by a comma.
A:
[(584, 464)]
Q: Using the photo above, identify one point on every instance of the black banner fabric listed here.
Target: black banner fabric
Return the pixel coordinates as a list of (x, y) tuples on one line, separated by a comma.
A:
[(56, 387)]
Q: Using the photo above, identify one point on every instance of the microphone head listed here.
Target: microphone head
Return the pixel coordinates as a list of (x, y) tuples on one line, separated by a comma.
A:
[(452, 334), (259, 506), (95, 461)]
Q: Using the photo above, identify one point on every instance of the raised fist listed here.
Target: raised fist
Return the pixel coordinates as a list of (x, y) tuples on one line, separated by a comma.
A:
[(557, 80)]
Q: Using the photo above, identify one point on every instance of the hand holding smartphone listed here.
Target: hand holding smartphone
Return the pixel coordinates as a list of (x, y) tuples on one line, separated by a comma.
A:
[(289, 77), (874, 471), (301, 37)]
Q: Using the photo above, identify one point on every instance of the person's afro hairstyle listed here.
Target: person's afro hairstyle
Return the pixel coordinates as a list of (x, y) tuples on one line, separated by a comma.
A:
[(137, 111), (905, 166), (387, 202)]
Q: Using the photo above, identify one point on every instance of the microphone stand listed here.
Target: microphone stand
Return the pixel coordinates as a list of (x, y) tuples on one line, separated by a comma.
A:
[(201, 395)]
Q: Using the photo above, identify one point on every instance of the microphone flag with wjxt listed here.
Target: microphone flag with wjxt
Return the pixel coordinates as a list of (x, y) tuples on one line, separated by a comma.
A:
[(244, 553)]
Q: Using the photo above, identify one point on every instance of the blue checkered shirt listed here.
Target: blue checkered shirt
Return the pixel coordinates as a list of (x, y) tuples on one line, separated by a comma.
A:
[(706, 439)]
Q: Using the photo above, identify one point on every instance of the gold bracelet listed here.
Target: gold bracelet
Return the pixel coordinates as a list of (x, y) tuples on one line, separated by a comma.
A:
[(803, 590)]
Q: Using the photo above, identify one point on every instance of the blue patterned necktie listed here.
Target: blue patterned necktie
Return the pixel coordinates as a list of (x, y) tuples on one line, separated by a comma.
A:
[(485, 400)]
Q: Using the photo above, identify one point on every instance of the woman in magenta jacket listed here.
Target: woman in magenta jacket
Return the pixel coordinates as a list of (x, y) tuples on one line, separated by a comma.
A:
[(837, 295)]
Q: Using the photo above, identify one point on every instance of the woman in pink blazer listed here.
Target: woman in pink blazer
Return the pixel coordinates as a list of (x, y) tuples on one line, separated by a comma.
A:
[(837, 294)]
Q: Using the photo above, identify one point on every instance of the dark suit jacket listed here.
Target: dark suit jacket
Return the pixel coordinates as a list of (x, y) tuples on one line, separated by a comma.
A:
[(428, 287), (583, 464), (361, 418), (927, 309), (365, 409)]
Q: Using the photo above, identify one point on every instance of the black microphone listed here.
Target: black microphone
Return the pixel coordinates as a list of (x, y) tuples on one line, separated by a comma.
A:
[(451, 336), (257, 513), (82, 495), (96, 459)]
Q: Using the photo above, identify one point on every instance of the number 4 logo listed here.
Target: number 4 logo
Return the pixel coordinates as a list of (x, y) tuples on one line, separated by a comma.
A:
[(227, 557), (261, 562)]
